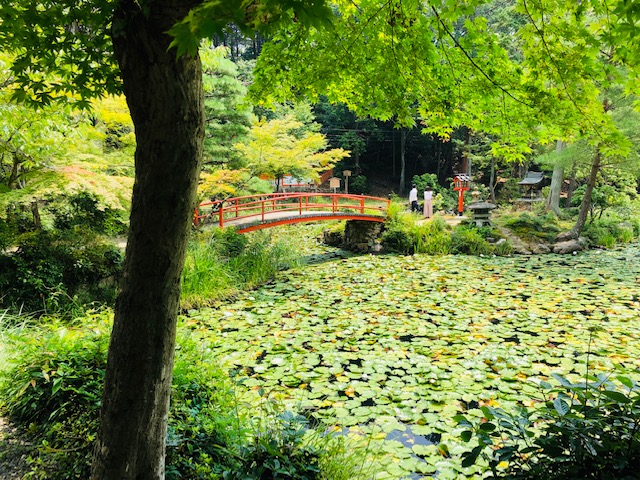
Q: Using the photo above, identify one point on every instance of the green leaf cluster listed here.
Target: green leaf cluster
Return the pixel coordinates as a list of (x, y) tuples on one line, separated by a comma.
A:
[(587, 429)]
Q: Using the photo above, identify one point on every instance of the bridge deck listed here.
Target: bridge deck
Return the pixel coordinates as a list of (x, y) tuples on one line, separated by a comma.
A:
[(266, 211)]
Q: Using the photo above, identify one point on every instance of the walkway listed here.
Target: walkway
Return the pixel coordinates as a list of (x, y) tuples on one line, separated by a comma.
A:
[(265, 211)]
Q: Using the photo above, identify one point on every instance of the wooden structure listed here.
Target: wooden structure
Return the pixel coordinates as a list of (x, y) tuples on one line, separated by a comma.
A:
[(461, 184), (532, 187), (256, 212)]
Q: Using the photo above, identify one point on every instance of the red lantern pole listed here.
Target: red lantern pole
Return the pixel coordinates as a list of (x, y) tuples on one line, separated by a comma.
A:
[(461, 185)]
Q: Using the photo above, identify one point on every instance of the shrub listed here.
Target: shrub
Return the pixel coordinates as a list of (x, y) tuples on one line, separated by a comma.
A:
[(84, 210), (398, 238), (503, 249), (54, 387), (277, 450), (433, 238), (203, 418), (607, 232), (358, 185), (468, 239), (54, 272), (533, 227)]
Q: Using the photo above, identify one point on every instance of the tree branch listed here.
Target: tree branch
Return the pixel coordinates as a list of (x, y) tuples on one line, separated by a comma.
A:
[(473, 62)]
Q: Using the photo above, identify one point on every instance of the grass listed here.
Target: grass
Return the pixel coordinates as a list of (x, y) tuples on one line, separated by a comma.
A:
[(51, 386), (224, 263)]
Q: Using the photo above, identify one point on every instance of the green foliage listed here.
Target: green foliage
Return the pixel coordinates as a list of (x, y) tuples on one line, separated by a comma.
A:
[(532, 227), (603, 197), (587, 429), (229, 262), (53, 389), (277, 450), (503, 248), (397, 238), (609, 231), (7, 234), (59, 272), (444, 199), (469, 240), (433, 238), (203, 417), (358, 185), (228, 116), (509, 191), (397, 235), (404, 234), (283, 146), (84, 211), (71, 65)]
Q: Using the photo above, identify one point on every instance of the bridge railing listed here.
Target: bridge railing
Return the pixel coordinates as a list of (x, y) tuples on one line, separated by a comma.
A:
[(259, 206)]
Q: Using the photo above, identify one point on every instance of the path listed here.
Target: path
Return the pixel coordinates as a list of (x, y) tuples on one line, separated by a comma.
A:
[(13, 452)]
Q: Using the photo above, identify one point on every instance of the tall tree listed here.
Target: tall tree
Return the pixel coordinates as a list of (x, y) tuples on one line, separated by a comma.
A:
[(79, 50), (557, 179), (276, 150), (228, 116)]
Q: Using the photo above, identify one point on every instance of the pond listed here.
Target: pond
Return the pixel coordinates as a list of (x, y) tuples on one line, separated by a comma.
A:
[(396, 346)]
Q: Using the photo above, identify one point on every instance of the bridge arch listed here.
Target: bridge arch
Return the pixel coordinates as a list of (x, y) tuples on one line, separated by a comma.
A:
[(255, 212)]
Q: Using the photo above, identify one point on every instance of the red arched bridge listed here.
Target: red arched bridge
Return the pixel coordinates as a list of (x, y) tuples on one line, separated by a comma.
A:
[(264, 211)]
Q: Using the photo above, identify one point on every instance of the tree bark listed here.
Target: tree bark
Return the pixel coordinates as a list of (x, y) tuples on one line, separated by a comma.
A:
[(492, 180), (572, 184), (393, 152), (585, 206), (165, 97), (35, 212), (403, 143), (553, 202)]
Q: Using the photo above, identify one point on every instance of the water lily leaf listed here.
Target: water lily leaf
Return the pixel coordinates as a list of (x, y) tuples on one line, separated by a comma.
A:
[(377, 339)]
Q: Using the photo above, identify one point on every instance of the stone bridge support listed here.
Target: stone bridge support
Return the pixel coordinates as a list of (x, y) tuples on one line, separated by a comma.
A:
[(358, 236)]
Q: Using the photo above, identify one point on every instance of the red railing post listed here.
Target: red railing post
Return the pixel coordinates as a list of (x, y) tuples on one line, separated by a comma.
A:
[(237, 201), (300, 205), (221, 214), (334, 201), (362, 205), (195, 216), (262, 204)]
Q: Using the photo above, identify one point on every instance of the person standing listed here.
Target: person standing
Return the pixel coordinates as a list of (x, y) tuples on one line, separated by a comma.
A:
[(428, 202), (413, 198)]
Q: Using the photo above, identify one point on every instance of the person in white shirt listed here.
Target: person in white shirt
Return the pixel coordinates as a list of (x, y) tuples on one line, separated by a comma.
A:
[(413, 198)]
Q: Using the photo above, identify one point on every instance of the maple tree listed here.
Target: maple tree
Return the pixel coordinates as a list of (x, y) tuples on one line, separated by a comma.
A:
[(273, 149)]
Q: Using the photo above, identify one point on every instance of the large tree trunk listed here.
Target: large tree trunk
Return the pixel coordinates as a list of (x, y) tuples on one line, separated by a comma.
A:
[(492, 180), (165, 97), (553, 202), (35, 212), (585, 206), (572, 183)]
